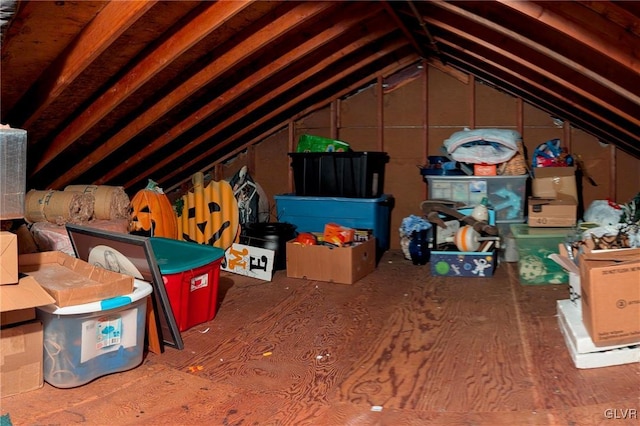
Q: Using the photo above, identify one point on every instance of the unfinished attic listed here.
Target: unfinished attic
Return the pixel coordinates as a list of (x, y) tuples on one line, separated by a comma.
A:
[(320, 212)]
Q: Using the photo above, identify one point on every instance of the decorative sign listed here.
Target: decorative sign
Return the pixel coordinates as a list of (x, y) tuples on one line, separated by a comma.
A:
[(251, 261)]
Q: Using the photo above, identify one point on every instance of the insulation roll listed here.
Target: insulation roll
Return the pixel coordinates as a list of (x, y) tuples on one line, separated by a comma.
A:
[(58, 206), (34, 205), (111, 202)]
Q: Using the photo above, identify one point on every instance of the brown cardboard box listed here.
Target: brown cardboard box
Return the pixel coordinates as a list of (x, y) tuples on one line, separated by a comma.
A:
[(8, 258), (21, 351), (548, 182), (72, 281), (21, 337), (18, 301), (550, 212), (610, 294), (344, 265)]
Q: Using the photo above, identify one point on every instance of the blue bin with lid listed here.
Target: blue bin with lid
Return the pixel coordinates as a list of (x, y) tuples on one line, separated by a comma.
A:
[(310, 214)]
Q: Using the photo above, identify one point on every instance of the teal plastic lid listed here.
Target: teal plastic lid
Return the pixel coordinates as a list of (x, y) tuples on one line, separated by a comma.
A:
[(175, 256)]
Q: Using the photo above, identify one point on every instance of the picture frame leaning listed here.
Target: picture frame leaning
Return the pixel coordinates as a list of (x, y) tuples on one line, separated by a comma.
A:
[(132, 255)]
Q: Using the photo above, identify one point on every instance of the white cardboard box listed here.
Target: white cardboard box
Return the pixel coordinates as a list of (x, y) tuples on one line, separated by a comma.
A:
[(584, 352)]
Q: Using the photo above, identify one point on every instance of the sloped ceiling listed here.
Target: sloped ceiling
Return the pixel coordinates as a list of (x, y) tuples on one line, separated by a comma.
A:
[(117, 92)]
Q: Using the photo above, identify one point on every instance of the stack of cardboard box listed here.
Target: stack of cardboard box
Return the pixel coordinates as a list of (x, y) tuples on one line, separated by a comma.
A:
[(21, 336), (601, 319), (554, 200)]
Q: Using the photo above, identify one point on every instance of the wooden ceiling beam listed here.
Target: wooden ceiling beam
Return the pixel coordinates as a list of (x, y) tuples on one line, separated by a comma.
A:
[(407, 33), (588, 27), (95, 38), (322, 65), (541, 86), (544, 50), (388, 70), (210, 18), (233, 93), (245, 48), (550, 71), (512, 85), (37, 33)]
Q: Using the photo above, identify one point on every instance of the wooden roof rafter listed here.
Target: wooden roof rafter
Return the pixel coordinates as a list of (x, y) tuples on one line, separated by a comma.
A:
[(385, 50), (538, 94), (95, 38), (144, 70), (261, 75), (215, 69)]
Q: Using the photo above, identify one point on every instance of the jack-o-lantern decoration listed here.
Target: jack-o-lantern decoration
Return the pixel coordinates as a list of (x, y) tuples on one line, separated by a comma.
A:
[(151, 213), (209, 214)]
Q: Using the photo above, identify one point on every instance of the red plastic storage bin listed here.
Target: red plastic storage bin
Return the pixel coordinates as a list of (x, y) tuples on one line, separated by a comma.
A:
[(191, 273)]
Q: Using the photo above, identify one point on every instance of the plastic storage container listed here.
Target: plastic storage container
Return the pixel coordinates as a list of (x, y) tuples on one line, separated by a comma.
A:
[(83, 342), (455, 263), (506, 194), (310, 214), (534, 247), (508, 248), (13, 172), (339, 174), (190, 273)]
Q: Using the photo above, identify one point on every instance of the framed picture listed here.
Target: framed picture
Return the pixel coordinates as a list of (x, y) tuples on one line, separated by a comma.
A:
[(131, 255)]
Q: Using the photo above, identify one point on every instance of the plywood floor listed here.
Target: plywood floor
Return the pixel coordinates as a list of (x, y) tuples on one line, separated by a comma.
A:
[(420, 350)]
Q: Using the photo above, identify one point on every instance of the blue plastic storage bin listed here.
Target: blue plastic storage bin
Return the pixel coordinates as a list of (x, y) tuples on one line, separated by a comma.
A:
[(310, 214)]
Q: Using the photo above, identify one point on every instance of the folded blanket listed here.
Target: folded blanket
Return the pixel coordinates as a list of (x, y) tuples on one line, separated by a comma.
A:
[(487, 146)]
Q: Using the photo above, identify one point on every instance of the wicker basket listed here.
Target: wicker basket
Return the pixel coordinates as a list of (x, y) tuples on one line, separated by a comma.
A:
[(517, 165)]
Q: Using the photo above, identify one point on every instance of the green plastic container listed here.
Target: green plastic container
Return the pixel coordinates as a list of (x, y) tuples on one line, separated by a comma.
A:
[(534, 247), (311, 143)]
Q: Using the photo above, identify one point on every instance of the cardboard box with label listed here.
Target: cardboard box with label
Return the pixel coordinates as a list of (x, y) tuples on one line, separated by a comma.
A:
[(21, 337), (610, 295), (553, 212), (72, 281), (344, 265), (8, 258)]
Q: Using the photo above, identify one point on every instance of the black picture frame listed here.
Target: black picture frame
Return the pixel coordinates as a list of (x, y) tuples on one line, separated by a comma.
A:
[(135, 257)]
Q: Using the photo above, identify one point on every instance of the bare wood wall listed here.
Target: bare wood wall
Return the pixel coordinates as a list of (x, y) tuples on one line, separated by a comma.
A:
[(410, 117)]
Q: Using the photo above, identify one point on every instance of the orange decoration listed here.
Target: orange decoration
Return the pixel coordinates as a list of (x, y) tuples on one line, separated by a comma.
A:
[(306, 238), (151, 213)]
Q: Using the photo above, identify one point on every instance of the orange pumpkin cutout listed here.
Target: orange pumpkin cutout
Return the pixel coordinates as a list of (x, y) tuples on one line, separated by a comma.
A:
[(151, 213), (210, 214)]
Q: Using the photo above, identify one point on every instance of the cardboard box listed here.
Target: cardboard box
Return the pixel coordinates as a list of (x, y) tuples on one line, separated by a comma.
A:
[(344, 265), (548, 182), (21, 352), (21, 337), (550, 212), (610, 296), (18, 301), (8, 258), (72, 281)]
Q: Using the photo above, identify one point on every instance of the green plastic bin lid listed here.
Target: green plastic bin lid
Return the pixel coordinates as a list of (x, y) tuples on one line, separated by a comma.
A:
[(520, 230), (175, 256)]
